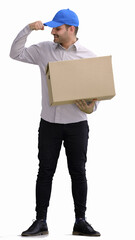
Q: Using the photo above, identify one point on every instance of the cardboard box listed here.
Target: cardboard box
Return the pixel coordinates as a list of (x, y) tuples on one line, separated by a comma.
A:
[(88, 79)]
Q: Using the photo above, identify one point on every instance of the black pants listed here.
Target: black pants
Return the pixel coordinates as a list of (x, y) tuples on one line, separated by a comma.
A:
[(51, 136)]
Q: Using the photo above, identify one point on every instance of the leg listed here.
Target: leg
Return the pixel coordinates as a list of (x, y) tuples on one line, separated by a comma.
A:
[(75, 142), (50, 140)]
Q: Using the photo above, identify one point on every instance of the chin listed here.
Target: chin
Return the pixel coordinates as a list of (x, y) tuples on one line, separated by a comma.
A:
[(56, 40)]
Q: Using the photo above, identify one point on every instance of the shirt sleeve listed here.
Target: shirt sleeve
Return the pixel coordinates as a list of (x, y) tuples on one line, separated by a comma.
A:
[(20, 52), (95, 106)]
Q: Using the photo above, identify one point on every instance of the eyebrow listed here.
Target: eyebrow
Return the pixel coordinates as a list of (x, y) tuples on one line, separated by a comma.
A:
[(58, 27)]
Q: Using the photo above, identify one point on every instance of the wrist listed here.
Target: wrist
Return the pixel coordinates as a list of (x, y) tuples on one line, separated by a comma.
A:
[(31, 26)]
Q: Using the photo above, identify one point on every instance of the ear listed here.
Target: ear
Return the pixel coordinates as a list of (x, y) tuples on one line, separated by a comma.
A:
[(72, 29)]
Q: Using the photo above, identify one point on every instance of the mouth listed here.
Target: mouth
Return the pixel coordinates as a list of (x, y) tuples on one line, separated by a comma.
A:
[(56, 36)]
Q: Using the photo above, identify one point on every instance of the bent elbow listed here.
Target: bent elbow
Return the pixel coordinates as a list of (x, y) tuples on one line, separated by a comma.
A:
[(11, 55), (14, 55)]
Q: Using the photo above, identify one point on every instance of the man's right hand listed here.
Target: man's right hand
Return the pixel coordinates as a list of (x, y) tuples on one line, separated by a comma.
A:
[(36, 26)]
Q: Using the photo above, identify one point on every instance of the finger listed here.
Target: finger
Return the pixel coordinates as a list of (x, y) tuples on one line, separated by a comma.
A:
[(84, 103), (76, 102), (39, 25), (79, 104)]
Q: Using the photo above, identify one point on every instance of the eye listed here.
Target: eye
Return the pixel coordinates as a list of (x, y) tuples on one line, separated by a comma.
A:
[(57, 28)]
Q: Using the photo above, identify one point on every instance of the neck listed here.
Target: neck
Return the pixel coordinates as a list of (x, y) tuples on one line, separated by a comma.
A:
[(66, 45)]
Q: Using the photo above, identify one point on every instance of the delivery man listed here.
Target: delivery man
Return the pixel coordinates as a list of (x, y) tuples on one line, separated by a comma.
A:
[(63, 123)]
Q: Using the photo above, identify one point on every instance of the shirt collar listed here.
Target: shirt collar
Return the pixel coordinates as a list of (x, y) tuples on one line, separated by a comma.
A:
[(77, 44), (74, 45)]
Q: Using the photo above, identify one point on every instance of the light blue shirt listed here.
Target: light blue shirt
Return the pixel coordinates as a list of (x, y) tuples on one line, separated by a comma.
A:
[(40, 54)]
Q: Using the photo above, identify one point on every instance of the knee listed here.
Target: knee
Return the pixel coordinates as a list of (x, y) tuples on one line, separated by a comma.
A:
[(46, 173), (78, 174)]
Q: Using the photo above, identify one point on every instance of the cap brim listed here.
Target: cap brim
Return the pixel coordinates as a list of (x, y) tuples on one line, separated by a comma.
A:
[(53, 24)]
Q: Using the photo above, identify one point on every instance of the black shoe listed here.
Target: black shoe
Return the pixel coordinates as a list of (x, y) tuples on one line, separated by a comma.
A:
[(81, 227), (39, 227)]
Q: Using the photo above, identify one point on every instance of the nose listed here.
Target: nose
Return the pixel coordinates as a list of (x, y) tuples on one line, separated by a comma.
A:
[(53, 31)]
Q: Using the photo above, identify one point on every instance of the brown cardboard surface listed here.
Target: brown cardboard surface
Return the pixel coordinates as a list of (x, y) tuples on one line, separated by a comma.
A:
[(71, 80)]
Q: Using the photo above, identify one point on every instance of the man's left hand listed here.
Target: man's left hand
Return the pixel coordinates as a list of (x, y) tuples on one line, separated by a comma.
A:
[(84, 107)]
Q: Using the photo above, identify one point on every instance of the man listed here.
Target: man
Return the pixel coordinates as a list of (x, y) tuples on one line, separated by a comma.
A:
[(63, 123)]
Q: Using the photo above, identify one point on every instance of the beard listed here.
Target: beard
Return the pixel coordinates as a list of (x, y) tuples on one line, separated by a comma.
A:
[(56, 38)]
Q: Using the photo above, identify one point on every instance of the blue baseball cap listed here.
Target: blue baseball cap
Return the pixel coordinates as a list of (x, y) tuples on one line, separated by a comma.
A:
[(64, 16)]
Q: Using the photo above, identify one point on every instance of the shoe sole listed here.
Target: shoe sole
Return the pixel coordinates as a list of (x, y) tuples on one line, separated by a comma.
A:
[(37, 234), (82, 234)]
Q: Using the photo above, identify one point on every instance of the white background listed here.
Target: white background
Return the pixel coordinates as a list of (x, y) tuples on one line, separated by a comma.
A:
[(106, 28)]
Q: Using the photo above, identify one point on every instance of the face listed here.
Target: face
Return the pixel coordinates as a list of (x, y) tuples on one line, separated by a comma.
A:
[(61, 34)]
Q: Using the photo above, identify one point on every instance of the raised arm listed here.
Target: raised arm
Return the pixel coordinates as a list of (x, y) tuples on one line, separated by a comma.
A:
[(20, 52)]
